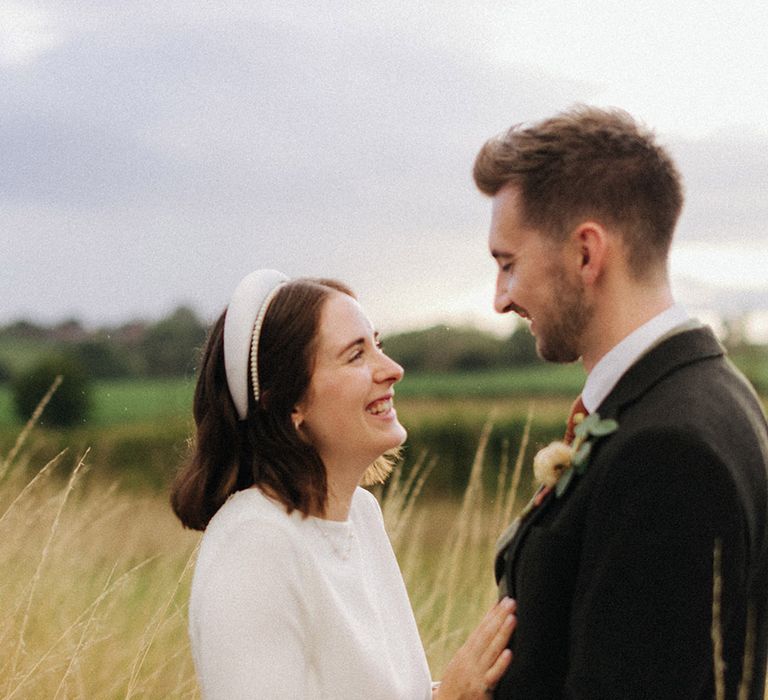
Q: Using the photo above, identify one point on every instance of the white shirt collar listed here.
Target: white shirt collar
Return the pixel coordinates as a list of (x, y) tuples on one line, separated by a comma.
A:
[(611, 366)]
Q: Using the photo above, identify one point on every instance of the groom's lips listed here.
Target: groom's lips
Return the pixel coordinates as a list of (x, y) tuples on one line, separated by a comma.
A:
[(520, 311)]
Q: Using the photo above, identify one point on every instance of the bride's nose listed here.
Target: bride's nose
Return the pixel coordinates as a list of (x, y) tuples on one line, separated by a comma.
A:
[(388, 370)]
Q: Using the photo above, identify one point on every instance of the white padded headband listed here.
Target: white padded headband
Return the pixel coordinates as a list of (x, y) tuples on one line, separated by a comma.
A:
[(242, 326)]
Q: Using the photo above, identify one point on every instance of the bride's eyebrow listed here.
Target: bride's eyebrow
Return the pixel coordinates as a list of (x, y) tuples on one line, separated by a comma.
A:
[(358, 341), (349, 346)]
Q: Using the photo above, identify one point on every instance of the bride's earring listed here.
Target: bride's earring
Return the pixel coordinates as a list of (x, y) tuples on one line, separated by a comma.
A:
[(297, 419)]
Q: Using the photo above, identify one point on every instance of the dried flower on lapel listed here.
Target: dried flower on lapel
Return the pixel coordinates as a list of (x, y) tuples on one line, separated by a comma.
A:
[(555, 464), (551, 461)]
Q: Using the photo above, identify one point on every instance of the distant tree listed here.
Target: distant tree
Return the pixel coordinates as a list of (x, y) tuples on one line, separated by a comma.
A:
[(24, 329), (68, 331), (71, 402), (5, 372), (101, 358), (442, 348), (129, 339), (520, 347), (170, 347)]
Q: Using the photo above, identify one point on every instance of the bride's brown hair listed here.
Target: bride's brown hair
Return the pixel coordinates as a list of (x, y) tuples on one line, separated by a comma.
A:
[(228, 454)]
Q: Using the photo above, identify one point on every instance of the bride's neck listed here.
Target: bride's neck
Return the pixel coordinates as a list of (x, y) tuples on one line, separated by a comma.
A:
[(339, 501), (341, 488)]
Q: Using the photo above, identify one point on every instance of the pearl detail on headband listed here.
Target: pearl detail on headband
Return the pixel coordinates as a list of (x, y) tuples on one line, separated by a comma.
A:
[(255, 341), (242, 327)]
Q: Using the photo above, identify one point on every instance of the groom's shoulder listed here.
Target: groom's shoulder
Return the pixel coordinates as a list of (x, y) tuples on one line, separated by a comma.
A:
[(709, 399), (701, 411), (688, 379)]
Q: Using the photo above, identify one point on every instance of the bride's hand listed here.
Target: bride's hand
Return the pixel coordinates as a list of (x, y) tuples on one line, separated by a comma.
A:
[(477, 666)]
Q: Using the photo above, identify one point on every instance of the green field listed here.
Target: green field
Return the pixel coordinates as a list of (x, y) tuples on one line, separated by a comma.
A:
[(138, 430), (138, 400), (535, 381), (128, 401), (133, 401)]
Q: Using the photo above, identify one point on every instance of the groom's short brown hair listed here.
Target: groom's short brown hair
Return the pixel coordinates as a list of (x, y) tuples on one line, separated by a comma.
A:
[(589, 163)]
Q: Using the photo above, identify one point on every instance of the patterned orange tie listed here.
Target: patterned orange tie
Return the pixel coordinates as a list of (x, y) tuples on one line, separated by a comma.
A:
[(577, 408), (570, 426)]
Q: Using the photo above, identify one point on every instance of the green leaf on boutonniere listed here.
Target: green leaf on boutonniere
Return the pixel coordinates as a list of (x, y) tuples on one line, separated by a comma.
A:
[(595, 426), (580, 451), (582, 429), (604, 427), (591, 427), (581, 457), (562, 482)]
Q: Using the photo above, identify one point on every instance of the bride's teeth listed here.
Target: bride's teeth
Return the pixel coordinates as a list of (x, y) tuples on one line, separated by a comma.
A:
[(380, 407)]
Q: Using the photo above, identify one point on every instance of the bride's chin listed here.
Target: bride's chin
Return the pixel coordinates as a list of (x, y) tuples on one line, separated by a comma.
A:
[(403, 435)]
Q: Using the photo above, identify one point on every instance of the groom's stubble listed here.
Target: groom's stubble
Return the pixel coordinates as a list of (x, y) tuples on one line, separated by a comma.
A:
[(560, 331)]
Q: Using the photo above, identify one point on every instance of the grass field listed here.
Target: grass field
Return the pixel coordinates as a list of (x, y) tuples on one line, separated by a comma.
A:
[(138, 429), (534, 381), (94, 593), (146, 400), (95, 578), (134, 401), (119, 402)]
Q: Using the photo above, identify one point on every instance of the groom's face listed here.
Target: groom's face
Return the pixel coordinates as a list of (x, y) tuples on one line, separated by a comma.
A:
[(534, 280)]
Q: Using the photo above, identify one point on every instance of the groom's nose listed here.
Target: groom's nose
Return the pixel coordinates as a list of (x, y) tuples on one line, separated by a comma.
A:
[(502, 300)]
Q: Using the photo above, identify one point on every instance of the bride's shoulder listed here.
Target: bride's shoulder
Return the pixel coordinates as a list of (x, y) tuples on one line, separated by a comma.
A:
[(365, 505), (250, 511)]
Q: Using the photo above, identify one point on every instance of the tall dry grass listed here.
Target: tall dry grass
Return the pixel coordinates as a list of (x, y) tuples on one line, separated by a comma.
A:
[(446, 549), (93, 585), (95, 578), (93, 591)]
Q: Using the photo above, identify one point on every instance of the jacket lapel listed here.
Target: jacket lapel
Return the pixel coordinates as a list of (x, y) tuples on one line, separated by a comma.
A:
[(509, 545), (673, 353), (676, 351)]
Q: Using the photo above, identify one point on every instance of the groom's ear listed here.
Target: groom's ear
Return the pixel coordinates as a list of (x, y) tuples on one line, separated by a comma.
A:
[(591, 246)]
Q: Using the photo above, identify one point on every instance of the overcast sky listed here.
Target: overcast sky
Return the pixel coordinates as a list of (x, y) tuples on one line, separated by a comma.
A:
[(154, 153)]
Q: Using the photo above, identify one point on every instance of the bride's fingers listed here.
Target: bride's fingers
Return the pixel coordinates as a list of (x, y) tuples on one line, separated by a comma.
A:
[(490, 628), (481, 661), (495, 672), (496, 645)]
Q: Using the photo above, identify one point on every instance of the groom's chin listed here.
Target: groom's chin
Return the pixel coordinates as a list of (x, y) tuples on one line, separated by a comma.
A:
[(560, 354)]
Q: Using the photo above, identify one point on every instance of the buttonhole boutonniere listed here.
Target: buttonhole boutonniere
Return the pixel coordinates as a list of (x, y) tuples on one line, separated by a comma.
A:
[(555, 464)]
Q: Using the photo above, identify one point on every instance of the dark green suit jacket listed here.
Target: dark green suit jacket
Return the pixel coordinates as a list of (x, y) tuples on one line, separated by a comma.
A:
[(614, 580)]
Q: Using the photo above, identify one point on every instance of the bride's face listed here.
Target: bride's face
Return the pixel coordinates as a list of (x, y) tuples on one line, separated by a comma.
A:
[(347, 413)]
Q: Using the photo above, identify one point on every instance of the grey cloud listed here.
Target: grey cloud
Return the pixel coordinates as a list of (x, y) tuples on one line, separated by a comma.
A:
[(728, 301), (269, 111), (726, 180), (164, 150)]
